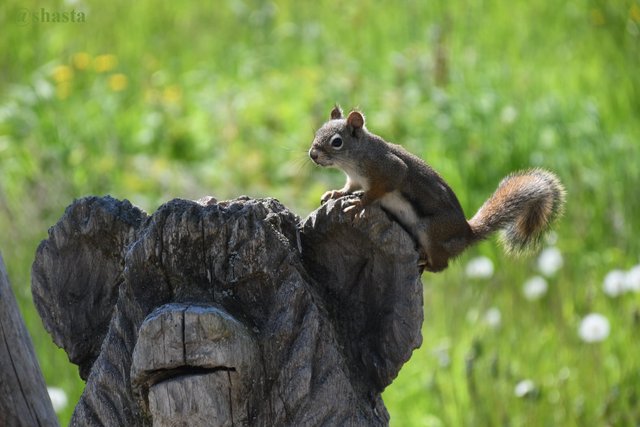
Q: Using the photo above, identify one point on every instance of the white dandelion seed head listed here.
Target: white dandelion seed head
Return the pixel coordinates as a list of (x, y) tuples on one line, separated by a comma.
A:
[(487, 102), (594, 327), (524, 388), (493, 317), (564, 374), (443, 357), (535, 288), (632, 279), (58, 398), (550, 261), (615, 283), (508, 115), (479, 268)]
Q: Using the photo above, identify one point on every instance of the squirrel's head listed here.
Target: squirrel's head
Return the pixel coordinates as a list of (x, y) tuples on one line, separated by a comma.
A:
[(337, 139)]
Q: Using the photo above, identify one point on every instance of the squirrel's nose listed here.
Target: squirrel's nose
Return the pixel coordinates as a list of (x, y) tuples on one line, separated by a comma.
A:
[(313, 154)]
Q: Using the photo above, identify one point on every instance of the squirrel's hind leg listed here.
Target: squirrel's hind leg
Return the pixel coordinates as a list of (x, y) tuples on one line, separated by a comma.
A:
[(434, 262), (433, 257), (441, 238)]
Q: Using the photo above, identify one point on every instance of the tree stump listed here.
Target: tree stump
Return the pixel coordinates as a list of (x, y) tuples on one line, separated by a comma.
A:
[(229, 313), (24, 400)]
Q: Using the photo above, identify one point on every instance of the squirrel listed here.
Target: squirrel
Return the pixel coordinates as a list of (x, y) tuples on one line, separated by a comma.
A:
[(415, 195)]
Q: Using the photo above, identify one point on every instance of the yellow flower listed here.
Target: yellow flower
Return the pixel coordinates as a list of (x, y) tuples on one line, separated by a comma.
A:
[(597, 17), (172, 94), (63, 89), (105, 164), (635, 12), (103, 63), (62, 73), (117, 82), (81, 60)]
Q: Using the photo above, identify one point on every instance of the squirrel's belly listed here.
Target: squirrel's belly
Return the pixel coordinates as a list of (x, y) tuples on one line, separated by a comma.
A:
[(400, 208)]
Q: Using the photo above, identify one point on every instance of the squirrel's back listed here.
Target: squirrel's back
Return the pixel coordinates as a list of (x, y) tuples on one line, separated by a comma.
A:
[(429, 192)]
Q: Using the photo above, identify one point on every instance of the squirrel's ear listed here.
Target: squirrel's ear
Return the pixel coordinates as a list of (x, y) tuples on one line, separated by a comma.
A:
[(355, 120), (336, 113)]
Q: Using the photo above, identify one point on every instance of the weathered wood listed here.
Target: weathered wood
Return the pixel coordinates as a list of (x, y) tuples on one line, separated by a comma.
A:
[(193, 364), (24, 400), (367, 272), (230, 313), (75, 298), (193, 400)]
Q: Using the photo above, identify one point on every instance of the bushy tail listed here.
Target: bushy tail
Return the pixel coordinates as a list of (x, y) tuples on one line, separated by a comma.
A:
[(523, 207)]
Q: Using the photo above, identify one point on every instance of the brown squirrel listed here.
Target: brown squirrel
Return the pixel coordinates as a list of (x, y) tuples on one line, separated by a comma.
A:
[(524, 205)]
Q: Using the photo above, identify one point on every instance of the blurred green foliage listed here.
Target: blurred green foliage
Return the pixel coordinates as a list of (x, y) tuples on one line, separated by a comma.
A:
[(154, 100)]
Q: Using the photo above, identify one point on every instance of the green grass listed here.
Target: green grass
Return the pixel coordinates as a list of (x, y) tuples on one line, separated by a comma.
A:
[(150, 101)]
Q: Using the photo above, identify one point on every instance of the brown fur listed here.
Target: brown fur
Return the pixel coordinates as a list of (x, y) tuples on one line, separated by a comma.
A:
[(524, 206)]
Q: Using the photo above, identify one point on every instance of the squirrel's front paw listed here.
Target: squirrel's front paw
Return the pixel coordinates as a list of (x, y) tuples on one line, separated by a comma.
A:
[(333, 194), (355, 209)]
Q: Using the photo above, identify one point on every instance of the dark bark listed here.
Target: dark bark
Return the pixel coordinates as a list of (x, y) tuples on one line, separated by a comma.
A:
[(24, 400), (230, 313)]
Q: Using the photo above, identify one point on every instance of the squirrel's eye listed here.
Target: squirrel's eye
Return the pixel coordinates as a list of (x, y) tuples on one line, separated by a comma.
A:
[(336, 142)]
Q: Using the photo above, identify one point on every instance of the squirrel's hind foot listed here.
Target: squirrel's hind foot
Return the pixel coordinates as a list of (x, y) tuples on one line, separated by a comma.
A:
[(432, 264)]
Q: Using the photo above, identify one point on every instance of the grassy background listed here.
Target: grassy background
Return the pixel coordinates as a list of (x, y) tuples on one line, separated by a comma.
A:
[(154, 100)]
